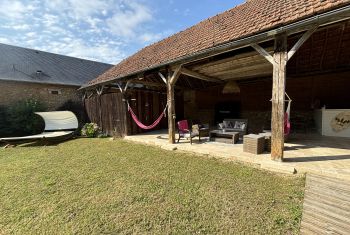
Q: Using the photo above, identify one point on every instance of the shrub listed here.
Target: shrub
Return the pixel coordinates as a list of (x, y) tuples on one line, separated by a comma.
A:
[(5, 125), (90, 130), (77, 108), (22, 119)]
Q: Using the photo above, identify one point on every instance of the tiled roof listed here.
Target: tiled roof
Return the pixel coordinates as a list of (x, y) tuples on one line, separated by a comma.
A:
[(22, 64), (242, 21)]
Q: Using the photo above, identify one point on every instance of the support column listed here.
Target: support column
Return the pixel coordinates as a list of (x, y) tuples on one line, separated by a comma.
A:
[(279, 61), (172, 78), (99, 92), (278, 92), (171, 112), (125, 117)]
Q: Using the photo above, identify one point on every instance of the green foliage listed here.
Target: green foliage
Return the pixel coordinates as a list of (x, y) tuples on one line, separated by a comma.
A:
[(20, 118), (90, 130), (77, 108), (5, 126)]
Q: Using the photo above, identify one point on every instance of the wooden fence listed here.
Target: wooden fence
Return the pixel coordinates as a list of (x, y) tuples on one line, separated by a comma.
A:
[(109, 111)]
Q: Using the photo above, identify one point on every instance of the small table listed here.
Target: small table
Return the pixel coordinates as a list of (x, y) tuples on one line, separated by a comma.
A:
[(228, 137), (254, 144), (267, 136)]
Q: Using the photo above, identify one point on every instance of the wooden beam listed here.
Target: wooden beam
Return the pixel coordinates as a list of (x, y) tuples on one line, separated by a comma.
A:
[(162, 77), (263, 52), (242, 69), (175, 75), (100, 90), (147, 83), (278, 94), (231, 60), (172, 78), (247, 75), (301, 41), (233, 64), (120, 87), (200, 76), (127, 85)]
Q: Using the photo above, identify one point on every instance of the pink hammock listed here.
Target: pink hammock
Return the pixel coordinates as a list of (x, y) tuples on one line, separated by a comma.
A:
[(140, 124)]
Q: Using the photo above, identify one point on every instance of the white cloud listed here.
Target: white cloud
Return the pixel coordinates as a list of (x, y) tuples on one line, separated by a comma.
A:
[(12, 9), (101, 30), (83, 9), (48, 20), (128, 18), (30, 34), (77, 8), (79, 48), (16, 26), (4, 40), (150, 37), (21, 27)]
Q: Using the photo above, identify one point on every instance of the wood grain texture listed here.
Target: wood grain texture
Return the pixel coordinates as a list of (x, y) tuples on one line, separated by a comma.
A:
[(278, 93), (115, 120), (172, 78), (326, 206)]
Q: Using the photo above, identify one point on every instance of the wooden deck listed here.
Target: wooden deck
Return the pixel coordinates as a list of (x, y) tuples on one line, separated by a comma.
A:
[(326, 206)]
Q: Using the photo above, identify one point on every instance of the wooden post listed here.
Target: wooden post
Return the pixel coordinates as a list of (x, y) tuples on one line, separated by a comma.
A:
[(279, 61), (278, 92), (99, 93), (172, 78), (171, 112), (125, 116)]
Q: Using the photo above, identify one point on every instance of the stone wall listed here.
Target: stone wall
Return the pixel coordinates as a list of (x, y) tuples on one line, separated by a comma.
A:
[(53, 96)]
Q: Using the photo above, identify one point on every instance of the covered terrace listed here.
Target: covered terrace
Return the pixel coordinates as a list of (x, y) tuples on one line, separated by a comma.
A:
[(303, 49)]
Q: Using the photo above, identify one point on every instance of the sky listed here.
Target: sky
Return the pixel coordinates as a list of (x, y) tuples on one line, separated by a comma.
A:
[(100, 30)]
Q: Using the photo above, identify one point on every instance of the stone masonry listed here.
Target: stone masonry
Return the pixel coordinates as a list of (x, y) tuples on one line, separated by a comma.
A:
[(53, 96)]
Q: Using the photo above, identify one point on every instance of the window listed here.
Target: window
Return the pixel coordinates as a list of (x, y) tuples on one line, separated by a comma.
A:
[(54, 91)]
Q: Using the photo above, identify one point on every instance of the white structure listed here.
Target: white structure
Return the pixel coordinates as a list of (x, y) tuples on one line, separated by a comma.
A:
[(333, 122)]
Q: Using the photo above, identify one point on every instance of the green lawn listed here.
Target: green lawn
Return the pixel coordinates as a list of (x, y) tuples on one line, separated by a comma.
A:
[(99, 186)]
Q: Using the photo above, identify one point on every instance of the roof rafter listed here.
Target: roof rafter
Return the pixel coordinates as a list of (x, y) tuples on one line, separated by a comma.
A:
[(200, 76)]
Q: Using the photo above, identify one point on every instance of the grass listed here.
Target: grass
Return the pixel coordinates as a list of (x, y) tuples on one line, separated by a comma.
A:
[(94, 186)]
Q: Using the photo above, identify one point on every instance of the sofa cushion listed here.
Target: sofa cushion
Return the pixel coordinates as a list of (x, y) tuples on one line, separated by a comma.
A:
[(240, 125), (229, 124)]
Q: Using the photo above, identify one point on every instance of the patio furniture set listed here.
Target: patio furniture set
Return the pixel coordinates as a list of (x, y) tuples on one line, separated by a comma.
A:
[(230, 131)]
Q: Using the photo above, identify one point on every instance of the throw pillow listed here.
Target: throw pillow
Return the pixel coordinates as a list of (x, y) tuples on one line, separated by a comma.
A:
[(240, 125), (229, 124)]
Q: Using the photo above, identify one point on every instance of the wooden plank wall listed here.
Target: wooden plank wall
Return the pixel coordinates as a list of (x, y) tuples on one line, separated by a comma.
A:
[(326, 206), (147, 105), (108, 112)]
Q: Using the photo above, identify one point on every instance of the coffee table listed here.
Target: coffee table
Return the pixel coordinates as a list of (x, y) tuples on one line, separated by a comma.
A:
[(228, 137)]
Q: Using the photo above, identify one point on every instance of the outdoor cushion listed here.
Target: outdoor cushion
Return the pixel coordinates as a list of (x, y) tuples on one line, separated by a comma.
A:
[(235, 125), (239, 125), (229, 124), (58, 124)]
